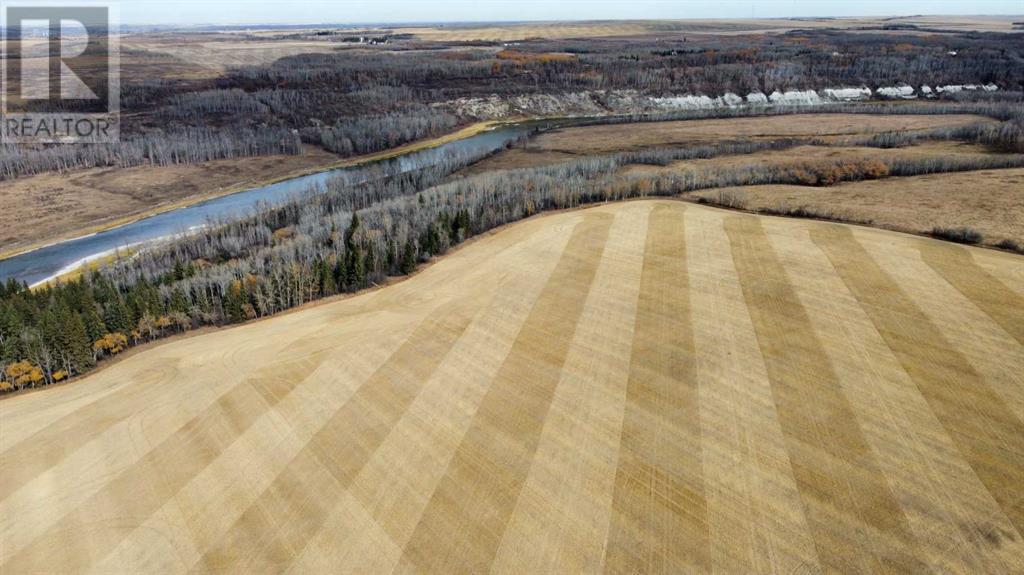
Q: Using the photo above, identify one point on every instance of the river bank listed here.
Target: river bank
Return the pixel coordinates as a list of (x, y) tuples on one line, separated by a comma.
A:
[(322, 162)]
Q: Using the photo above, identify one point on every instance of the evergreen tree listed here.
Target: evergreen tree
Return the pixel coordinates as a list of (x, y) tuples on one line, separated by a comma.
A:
[(93, 324), (356, 269), (341, 273), (370, 265), (178, 302), (118, 317), (234, 302), (408, 258), (79, 345), (326, 278), (64, 334), (11, 326), (392, 257), (179, 270)]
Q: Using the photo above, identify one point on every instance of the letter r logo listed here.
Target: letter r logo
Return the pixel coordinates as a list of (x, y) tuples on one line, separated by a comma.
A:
[(60, 71), (57, 53)]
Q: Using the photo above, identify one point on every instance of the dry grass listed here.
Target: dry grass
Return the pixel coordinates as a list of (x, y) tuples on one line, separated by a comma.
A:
[(639, 387), (41, 209), (214, 54), (991, 202), (619, 137), (572, 143), (47, 207), (661, 28), (813, 154)]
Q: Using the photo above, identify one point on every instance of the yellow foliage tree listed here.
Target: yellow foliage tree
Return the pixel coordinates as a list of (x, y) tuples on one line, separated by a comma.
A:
[(23, 374), (110, 344)]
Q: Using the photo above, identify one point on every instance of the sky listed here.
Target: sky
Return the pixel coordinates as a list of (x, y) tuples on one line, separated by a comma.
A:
[(399, 11)]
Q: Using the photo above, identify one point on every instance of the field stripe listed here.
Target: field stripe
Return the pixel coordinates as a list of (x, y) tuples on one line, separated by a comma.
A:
[(88, 533), (394, 488), (275, 529), (202, 511), (91, 459), (938, 491), (659, 521), (993, 353), (755, 517), (130, 427), (987, 433), (486, 280), (36, 411), (562, 513), (856, 522), (462, 525), (145, 424), (46, 448), (956, 265), (1004, 267)]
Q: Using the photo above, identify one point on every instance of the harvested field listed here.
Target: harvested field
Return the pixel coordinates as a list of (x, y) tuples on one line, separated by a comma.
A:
[(739, 26), (221, 53), (989, 201), (649, 386)]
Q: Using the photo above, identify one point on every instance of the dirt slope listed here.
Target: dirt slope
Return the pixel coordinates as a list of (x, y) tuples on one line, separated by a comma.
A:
[(641, 387)]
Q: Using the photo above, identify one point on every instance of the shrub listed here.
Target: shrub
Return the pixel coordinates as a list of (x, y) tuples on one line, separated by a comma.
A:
[(810, 213), (831, 173), (1010, 245), (727, 199), (962, 235)]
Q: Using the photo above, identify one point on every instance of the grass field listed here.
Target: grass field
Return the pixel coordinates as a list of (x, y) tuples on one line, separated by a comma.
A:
[(214, 53), (650, 386), (617, 137), (573, 143), (989, 201)]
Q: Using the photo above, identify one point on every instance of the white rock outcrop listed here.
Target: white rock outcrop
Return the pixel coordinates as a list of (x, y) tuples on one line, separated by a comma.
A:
[(902, 92), (954, 88), (757, 98), (605, 102), (847, 94), (795, 98)]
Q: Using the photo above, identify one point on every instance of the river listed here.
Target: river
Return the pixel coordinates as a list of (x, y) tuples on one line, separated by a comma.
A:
[(47, 262)]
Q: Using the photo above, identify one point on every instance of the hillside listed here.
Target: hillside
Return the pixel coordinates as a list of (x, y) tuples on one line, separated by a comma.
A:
[(648, 386)]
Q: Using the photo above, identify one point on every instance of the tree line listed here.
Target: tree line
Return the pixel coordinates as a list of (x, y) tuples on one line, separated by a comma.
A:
[(356, 230), (185, 146), (356, 102)]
